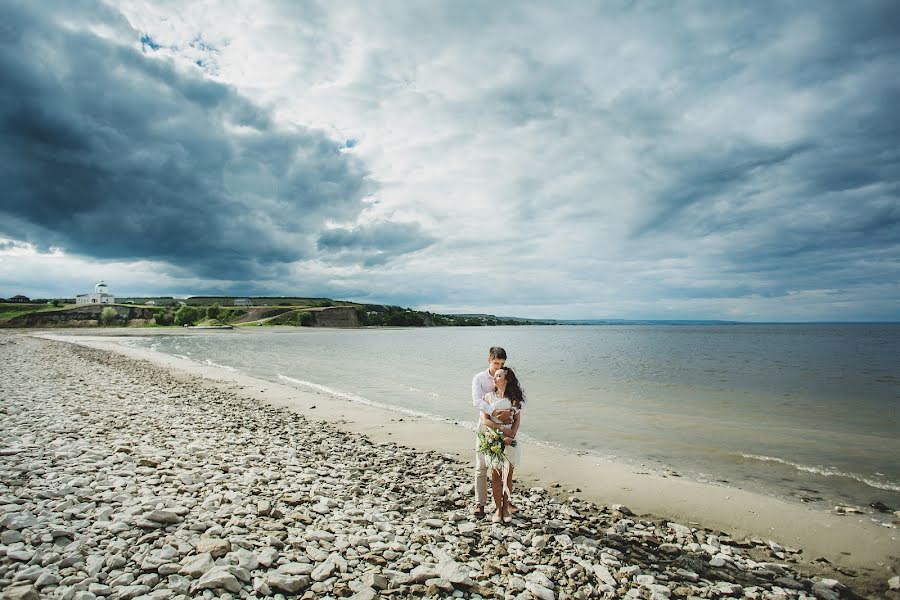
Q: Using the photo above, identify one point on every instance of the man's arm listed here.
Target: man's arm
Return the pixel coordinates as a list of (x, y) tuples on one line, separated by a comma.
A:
[(478, 397)]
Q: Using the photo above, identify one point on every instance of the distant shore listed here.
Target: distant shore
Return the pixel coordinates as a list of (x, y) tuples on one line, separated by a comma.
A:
[(826, 541)]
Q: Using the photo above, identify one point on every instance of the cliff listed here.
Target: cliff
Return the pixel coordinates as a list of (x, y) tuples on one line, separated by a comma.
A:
[(87, 315), (334, 316)]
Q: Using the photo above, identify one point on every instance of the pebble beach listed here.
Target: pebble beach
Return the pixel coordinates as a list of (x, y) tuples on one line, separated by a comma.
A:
[(123, 479)]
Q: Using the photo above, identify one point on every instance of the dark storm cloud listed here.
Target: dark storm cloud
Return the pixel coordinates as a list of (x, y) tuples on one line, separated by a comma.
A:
[(374, 243), (822, 211), (112, 153)]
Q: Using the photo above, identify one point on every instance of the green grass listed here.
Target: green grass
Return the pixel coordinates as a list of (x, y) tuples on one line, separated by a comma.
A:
[(9, 310)]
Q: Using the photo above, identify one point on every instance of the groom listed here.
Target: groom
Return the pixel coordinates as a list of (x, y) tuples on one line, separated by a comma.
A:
[(483, 383)]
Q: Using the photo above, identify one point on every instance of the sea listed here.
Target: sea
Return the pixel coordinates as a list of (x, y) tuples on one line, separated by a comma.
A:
[(806, 412)]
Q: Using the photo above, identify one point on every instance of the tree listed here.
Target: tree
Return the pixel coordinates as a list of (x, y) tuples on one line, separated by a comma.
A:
[(108, 315), (213, 311), (186, 315)]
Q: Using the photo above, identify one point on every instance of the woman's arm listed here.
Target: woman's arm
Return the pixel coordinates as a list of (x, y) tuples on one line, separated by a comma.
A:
[(487, 422), (511, 435)]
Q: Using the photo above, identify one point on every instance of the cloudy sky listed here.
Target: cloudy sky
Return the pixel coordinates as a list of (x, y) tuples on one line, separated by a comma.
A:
[(721, 160)]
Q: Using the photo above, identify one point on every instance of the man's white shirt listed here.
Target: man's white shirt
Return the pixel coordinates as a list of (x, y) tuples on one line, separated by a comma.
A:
[(482, 383)]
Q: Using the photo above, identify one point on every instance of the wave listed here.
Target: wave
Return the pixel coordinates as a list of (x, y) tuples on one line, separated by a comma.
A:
[(215, 364), (363, 400), (827, 472)]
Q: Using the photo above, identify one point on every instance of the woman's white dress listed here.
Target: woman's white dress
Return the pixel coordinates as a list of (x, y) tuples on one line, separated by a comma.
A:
[(513, 453)]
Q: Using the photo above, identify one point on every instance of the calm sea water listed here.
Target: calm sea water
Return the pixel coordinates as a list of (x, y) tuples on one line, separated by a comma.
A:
[(808, 412)]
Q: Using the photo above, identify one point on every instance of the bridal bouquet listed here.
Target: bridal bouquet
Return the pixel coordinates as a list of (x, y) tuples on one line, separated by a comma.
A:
[(492, 446)]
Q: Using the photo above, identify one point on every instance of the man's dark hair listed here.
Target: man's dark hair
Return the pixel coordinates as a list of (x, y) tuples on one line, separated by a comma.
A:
[(497, 352)]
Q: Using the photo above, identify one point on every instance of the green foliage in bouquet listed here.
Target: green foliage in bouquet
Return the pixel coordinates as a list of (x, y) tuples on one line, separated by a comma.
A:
[(491, 445)]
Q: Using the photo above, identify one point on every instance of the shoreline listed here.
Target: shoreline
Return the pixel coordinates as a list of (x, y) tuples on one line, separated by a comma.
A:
[(848, 541)]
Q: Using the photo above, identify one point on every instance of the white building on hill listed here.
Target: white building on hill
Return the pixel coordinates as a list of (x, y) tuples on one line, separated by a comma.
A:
[(101, 295)]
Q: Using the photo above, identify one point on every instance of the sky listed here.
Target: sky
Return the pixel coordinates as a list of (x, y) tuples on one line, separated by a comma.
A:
[(620, 159)]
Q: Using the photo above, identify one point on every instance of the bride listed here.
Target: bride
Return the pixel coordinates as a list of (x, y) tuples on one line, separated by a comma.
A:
[(507, 395)]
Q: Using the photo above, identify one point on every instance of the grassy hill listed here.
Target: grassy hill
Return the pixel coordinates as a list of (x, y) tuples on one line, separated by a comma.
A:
[(220, 310)]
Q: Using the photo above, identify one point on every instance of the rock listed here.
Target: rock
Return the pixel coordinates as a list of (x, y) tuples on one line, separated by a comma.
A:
[(9, 537), (129, 592), (196, 566), (267, 556), (827, 589), (215, 547), (47, 578), (604, 575), (17, 521), (296, 569), (219, 578), (375, 581), (454, 572), (323, 571), (21, 592), (365, 593), (540, 592), (20, 555), (287, 583), (539, 578), (423, 573), (467, 527), (163, 516), (894, 583), (244, 559)]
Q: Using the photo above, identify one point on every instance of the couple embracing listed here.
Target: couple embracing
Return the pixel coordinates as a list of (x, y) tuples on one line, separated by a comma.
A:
[(499, 397)]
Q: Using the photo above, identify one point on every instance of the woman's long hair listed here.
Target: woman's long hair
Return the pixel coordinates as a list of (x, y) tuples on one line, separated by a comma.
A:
[(514, 390)]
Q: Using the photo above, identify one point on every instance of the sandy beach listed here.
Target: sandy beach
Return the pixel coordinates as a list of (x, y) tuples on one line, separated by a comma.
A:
[(132, 474)]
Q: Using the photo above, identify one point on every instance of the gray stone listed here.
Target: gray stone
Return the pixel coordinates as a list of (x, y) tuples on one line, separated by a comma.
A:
[(196, 566), (323, 571), (365, 593), (296, 569), (47, 578), (423, 573), (215, 547), (267, 556), (287, 583), (165, 517), (130, 591), (824, 592), (604, 575), (10, 537), (20, 555), (540, 592), (539, 578), (219, 578), (21, 592), (375, 581)]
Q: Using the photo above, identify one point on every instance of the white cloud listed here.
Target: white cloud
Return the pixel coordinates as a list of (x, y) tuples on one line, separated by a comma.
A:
[(581, 161)]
